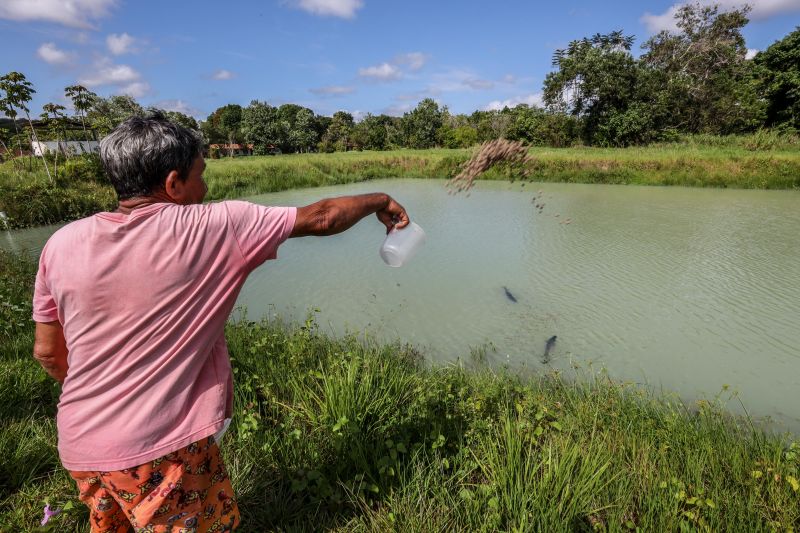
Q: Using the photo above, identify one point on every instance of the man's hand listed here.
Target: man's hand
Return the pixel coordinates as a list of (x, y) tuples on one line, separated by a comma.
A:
[(50, 349), (335, 215), (393, 216)]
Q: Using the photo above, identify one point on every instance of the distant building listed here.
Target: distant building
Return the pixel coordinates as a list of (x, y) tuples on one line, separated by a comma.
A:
[(65, 147)]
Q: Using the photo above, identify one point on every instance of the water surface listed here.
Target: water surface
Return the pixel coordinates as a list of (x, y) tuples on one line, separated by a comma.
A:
[(689, 290)]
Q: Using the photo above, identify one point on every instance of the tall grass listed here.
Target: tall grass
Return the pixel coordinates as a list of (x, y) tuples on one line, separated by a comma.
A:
[(349, 435), (763, 160)]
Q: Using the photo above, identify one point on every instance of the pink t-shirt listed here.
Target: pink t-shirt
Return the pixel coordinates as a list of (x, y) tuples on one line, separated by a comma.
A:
[(143, 299)]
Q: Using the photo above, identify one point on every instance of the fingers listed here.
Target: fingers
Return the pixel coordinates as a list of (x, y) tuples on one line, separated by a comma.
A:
[(393, 216)]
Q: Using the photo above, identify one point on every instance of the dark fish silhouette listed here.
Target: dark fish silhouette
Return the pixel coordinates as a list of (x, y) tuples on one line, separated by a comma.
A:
[(509, 295), (548, 347)]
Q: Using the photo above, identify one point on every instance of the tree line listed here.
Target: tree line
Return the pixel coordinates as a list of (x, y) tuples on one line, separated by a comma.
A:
[(697, 79)]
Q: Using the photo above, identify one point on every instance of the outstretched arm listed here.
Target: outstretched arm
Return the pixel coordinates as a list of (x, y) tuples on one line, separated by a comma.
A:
[(50, 349), (335, 215)]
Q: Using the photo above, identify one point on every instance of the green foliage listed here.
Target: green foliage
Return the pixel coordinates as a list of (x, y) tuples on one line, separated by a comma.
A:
[(224, 125), (461, 137), (84, 167), (184, 120), (778, 79), (15, 294), (106, 114), (338, 136), (260, 126), (538, 127), (31, 200), (702, 76), (375, 132), (421, 125)]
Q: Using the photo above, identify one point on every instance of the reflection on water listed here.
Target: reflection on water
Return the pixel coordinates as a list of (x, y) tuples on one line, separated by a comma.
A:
[(686, 289)]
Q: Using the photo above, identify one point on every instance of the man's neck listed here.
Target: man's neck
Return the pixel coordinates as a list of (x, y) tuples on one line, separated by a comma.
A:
[(127, 206)]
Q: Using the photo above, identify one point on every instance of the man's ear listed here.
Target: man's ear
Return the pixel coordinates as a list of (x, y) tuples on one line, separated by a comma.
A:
[(173, 186)]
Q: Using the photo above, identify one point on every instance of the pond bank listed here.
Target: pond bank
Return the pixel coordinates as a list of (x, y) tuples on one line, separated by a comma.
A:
[(29, 199), (339, 433)]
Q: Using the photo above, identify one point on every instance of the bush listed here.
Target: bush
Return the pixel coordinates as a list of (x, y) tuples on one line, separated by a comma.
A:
[(36, 204), (85, 167), (462, 137)]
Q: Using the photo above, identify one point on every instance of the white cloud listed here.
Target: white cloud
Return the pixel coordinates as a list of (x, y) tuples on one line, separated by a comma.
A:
[(124, 78), (136, 89), (120, 44), (335, 8), (50, 53), (223, 74), (74, 13), (178, 105), (333, 90), (530, 99), (414, 60), (110, 74), (751, 53), (479, 84), (382, 72), (762, 9), (456, 80), (358, 115), (398, 109), (509, 78)]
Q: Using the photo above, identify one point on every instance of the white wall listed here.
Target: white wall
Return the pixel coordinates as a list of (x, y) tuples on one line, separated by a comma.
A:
[(69, 147)]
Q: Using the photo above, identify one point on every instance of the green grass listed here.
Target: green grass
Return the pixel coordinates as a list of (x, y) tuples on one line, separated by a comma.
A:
[(343, 434), (762, 160), (676, 164)]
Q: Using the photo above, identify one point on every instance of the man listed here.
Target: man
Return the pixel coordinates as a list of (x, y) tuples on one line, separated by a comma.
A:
[(130, 309)]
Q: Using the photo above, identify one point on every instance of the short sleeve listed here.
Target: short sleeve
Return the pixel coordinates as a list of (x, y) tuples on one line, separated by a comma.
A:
[(259, 229), (44, 305)]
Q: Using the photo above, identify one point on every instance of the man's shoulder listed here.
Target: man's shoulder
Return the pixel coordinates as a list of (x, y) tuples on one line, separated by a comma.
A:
[(72, 229)]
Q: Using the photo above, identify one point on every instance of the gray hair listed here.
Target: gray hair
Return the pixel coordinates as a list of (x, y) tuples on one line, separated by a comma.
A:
[(140, 152)]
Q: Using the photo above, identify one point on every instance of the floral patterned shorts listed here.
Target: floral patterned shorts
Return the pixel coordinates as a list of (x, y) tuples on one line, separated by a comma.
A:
[(185, 491)]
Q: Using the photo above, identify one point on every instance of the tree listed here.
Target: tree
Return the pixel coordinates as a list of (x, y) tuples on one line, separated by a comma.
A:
[(8, 110), (108, 113), (491, 124), (460, 137), (53, 116), (19, 91), (82, 100), (701, 71), (303, 135), (224, 125), (339, 133), (372, 133), (598, 80), (778, 74), (176, 117), (260, 126), (421, 125)]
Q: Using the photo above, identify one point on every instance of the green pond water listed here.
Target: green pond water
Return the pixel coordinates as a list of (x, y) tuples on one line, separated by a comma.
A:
[(681, 289)]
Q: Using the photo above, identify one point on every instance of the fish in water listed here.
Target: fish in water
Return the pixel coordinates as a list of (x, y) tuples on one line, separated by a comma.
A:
[(548, 347), (509, 295)]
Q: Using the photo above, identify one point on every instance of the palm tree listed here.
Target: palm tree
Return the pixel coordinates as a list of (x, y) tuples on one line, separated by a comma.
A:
[(19, 92), (82, 99)]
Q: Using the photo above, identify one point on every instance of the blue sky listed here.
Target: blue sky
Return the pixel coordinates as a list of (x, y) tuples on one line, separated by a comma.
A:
[(360, 56)]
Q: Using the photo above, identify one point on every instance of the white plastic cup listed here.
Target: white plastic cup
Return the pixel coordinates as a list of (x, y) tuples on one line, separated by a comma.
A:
[(400, 245)]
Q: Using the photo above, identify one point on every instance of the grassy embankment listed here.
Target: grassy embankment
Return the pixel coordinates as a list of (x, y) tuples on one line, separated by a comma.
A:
[(339, 434), (758, 161)]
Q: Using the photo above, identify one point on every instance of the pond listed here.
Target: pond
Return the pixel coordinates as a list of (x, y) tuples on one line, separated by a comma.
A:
[(682, 289)]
